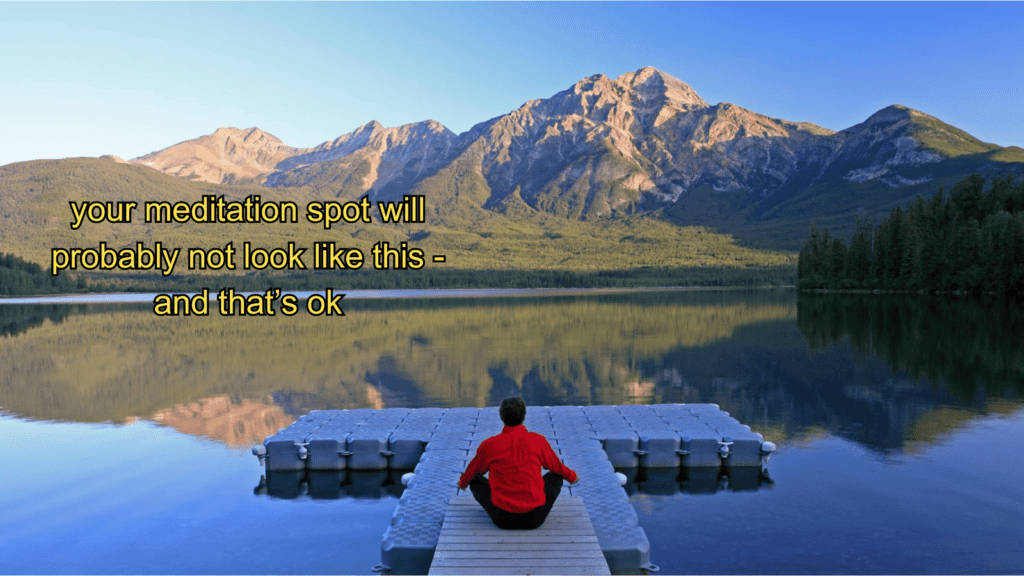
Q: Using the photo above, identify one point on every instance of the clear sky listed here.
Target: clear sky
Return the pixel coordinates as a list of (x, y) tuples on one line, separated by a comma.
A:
[(87, 79)]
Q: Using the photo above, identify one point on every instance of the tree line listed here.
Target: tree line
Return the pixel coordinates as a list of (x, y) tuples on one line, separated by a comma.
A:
[(370, 279), (970, 240), (20, 277)]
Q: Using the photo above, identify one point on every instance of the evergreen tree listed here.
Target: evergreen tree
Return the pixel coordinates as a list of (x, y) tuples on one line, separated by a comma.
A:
[(810, 263), (836, 272), (967, 198), (879, 256), (932, 256), (858, 257), (965, 270), (1000, 195), (996, 250), (1014, 253), (896, 250)]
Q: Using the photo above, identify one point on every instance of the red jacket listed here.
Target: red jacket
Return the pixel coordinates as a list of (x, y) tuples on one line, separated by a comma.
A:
[(515, 458)]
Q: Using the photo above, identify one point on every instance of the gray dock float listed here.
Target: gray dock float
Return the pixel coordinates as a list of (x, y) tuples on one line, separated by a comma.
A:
[(698, 440), (469, 543)]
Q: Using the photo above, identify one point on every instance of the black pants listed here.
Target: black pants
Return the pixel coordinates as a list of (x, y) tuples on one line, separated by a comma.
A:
[(481, 489)]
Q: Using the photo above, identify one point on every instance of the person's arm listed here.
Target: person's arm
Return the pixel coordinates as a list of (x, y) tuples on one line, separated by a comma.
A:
[(478, 465), (552, 462)]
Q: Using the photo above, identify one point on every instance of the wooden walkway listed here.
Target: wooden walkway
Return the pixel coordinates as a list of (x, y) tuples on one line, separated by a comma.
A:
[(471, 544)]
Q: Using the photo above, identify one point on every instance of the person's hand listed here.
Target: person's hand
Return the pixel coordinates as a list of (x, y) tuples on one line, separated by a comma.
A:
[(577, 480)]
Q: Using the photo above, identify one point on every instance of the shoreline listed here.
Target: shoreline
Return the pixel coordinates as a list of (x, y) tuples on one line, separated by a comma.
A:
[(147, 297)]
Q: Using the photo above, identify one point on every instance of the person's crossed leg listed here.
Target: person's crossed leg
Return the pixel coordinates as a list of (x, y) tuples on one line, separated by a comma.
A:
[(481, 490)]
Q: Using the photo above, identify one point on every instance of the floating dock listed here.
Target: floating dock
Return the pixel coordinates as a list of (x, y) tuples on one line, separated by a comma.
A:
[(471, 544), (665, 442)]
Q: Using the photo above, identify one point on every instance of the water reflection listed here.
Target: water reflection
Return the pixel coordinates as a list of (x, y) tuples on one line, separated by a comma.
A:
[(17, 319), (946, 362), (669, 481), (331, 484), (971, 349), (98, 366), (889, 373), (237, 422)]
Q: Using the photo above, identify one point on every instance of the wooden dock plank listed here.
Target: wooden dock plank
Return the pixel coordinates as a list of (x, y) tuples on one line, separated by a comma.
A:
[(481, 544), (554, 557), (542, 565), (560, 537), (470, 543), (474, 522), (561, 571)]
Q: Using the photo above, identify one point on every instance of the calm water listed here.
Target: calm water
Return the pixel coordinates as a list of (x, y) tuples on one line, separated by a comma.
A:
[(124, 440)]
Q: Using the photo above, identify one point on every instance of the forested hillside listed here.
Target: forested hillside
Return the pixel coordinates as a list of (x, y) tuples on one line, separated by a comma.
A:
[(20, 277), (969, 240)]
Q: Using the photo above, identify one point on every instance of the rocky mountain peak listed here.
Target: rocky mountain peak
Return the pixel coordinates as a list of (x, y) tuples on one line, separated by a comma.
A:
[(228, 155), (590, 83), (644, 73), (928, 138), (245, 134), (427, 128), (889, 115), (433, 126), (379, 156), (370, 127), (652, 83), (635, 102), (372, 134)]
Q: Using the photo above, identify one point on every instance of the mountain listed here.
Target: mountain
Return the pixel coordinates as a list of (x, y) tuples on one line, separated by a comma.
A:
[(228, 156), (873, 167), (642, 143), (371, 159), (609, 147)]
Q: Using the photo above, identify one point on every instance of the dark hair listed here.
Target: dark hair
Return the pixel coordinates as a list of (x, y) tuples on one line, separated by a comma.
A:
[(512, 411)]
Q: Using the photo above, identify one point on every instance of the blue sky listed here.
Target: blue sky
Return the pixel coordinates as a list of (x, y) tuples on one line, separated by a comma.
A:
[(86, 79)]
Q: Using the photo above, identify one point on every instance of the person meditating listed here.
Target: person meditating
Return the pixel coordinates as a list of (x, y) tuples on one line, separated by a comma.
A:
[(516, 497)]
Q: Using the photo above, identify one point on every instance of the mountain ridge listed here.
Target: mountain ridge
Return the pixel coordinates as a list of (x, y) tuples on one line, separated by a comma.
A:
[(635, 114), (644, 143), (227, 156)]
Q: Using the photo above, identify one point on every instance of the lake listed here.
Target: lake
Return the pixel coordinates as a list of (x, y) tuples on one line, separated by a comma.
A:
[(124, 438)]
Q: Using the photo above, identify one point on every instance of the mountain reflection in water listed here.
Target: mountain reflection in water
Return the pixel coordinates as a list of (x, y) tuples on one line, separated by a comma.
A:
[(883, 371), (236, 423)]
